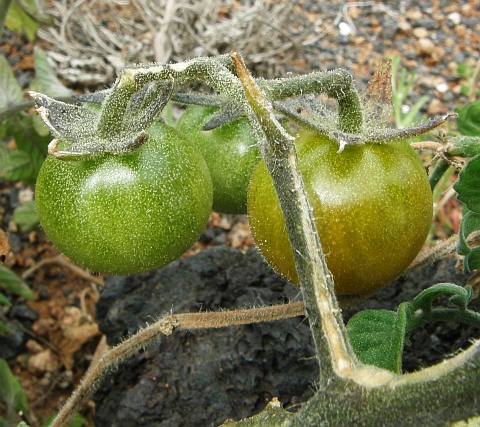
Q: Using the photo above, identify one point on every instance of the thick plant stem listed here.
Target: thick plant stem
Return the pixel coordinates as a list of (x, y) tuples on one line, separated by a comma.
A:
[(433, 397), (334, 352)]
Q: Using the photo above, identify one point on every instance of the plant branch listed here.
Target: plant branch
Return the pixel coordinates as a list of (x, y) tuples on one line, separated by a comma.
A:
[(338, 84), (335, 355), (112, 358)]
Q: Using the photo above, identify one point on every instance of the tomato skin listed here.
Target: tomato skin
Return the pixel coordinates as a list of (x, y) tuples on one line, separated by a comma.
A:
[(231, 154), (372, 206), (128, 213)]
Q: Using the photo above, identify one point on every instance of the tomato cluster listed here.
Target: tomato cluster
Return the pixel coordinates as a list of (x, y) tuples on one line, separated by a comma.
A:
[(132, 212)]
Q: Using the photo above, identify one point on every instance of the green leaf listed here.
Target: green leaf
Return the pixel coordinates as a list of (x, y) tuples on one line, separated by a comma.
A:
[(4, 300), (470, 223), (4, 332), (22, 424), (377, 336), (10, 92), (19, 21), (12, 283), (468, 185), (23, 164), (468, 120), (46, 80), (11, 393), (25, 216), (424, 300), (472, 261), (465, 146)]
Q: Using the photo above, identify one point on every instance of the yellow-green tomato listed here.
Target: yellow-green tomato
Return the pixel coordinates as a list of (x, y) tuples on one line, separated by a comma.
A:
[(372, 206), (126, 213), (231, 154)]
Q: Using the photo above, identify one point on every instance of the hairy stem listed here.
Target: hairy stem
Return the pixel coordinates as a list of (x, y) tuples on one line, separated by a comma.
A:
[(334, 352), (337, 84), (467, 317), (166, 326)]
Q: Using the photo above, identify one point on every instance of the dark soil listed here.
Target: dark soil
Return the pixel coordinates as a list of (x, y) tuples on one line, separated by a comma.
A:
[(201, 378)]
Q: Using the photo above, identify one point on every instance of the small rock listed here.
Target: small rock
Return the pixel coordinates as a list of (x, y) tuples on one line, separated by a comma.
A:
[(403, 25), (420, 32), (33, 347), (344, 29), (424, 47), (42, 362), (414, 15), (436, 107), (22, 312), (455, 18), (442, 87)]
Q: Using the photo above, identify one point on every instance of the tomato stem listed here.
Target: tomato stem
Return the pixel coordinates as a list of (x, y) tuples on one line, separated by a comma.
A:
[(317, 285)]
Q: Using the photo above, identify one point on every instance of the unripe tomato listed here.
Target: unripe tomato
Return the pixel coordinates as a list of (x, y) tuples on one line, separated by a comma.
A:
[(372, 206), (231, 154), (126, 213)]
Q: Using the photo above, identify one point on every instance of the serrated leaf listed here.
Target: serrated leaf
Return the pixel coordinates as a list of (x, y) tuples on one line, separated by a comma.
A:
[(46, 80), (25, 216), (468, 185), (19, 21), (468, 120), (377, 336), (10, 91), (13, 284), (11, 393), (465, 146), (424, 299)]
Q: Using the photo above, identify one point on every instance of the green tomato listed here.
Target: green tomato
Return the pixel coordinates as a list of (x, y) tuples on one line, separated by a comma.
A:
[(126, 213), (372, 206), (231, 154)]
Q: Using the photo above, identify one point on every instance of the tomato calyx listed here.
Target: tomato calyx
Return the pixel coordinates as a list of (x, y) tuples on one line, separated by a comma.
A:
[(373, 133), (117, 125)]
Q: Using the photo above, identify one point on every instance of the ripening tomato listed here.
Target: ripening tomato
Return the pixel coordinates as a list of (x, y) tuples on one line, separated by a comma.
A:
[(372, 206), (231, 154), (126, 213)]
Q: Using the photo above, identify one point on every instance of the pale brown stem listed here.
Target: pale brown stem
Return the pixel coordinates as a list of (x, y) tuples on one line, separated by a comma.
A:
[(428, 145), (166, 326), (441, 249), (65, 262)]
